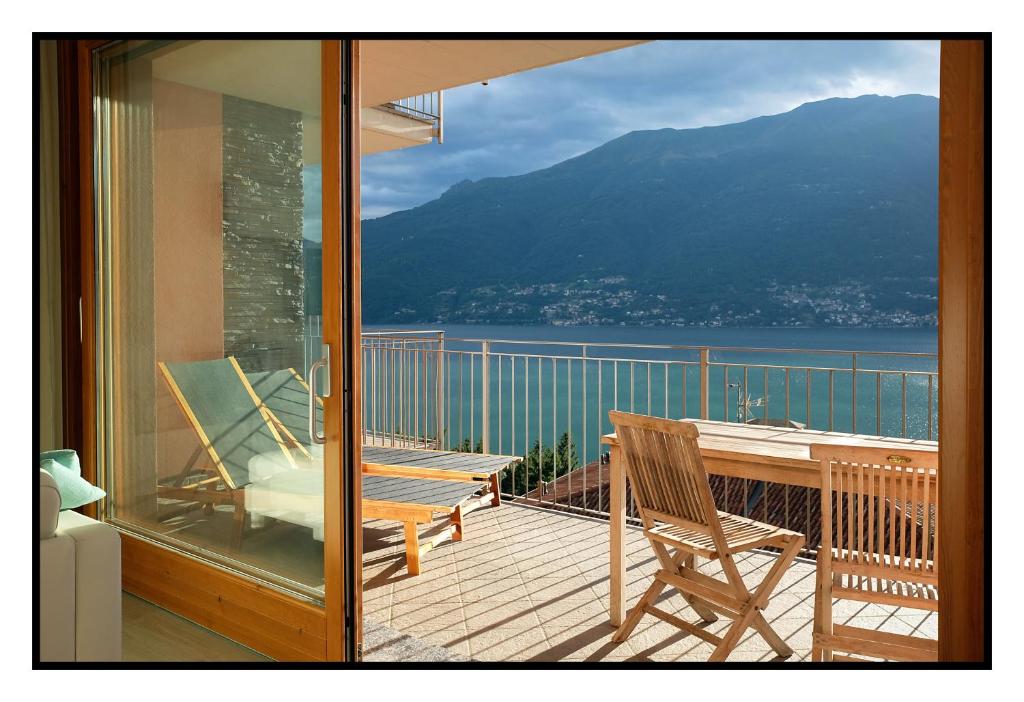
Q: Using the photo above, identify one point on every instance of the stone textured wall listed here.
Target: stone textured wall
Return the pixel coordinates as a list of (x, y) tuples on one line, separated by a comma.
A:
[(263, 278)]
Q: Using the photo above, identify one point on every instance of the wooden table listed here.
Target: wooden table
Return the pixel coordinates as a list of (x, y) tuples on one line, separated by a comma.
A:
[(773, 454)]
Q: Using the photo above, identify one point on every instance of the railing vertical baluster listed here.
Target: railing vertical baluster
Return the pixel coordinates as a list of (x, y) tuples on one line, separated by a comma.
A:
[(615, 379), (554, 427), (426, 396), (501, 442), (648, 388), (746, 389), (568, 431), (472, 402), (930, 380), (705, 382), (583, 410), (683, 367), (526, 420), (878, 403), (853, 400), (540, 429), (399, 391), (903, 413), (725, 393), (394, 390), (485, 397), (766, 393), (462, 399), (512, 413), (632, 385), (600, 432), (448, 401), (807, 389), (414, 396), (666, 390), (831, 395), (787, 396), (439, 391)]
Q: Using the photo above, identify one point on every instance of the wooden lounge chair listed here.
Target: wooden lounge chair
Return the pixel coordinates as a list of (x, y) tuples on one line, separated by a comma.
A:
[(670, 487), (232, 429), (265, 470), (878, 544), (286, 397)]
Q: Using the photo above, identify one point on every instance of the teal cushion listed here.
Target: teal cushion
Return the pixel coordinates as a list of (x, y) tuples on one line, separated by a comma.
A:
[(74, 490), (66, 457)]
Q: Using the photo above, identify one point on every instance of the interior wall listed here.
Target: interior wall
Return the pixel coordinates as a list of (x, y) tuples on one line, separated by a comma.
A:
[(48, 276), (188, 250)]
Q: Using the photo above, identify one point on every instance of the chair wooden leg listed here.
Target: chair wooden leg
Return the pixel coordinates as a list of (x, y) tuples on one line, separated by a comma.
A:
[(751, 615), (706, 614), (771, 636), (733, 633), (412, 548), (822, 609), (637, 613)]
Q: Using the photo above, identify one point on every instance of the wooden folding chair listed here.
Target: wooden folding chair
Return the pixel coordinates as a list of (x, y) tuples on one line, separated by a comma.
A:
[(878, 544), (672, 494)]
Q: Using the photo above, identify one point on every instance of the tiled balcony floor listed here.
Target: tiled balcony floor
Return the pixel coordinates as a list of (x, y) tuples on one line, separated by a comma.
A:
[(529, 584)]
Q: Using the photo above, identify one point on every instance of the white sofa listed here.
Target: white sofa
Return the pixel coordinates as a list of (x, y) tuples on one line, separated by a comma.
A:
[(79, 583)]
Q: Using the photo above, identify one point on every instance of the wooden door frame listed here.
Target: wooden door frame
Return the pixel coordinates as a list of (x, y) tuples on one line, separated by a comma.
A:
[(342, 418), (75, 143), (965, 459), (142, 558)]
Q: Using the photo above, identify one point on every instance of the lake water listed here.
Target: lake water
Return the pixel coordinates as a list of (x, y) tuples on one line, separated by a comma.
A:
[(543, 381)]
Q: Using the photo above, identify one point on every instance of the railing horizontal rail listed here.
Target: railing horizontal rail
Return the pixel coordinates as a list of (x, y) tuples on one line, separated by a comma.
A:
[(688, 347)]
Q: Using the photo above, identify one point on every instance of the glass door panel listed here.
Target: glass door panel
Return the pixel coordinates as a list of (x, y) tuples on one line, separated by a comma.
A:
[(209, 311)]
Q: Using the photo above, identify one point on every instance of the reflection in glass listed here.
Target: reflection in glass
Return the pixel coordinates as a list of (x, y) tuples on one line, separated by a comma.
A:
[(208, 201)]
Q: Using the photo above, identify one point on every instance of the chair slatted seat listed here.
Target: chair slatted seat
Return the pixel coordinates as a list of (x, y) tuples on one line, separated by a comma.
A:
[(673, 497), (741, 534), (878, 544)]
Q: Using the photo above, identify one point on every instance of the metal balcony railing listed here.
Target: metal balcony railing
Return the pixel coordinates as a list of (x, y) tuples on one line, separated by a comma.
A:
[(428, 107), (549, 402)]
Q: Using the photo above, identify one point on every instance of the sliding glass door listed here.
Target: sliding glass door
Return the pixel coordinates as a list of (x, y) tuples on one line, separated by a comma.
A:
[(210, 316)]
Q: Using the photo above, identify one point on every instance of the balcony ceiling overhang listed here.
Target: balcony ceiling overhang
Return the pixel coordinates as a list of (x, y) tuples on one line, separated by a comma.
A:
[(286, 73), (402, 68)]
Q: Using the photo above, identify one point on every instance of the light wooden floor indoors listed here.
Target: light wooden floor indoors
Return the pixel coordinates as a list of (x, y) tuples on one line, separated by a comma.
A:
[(152, 634)]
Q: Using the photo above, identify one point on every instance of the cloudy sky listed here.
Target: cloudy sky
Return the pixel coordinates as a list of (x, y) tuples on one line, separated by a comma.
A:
[(532, 120)]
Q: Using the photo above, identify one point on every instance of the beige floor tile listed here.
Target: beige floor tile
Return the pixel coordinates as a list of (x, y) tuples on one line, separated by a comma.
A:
[(430, 615), (505, 615), (571, 588), (499, 644), (428, 592), (483, 569), (533, 585), (572, 613), (584, 643), (481, 590)]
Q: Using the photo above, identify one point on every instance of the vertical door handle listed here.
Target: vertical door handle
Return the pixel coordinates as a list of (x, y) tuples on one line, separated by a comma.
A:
[(313, 371)]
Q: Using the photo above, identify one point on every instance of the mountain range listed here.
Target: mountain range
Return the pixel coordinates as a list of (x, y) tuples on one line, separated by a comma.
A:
[(825, 215)]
